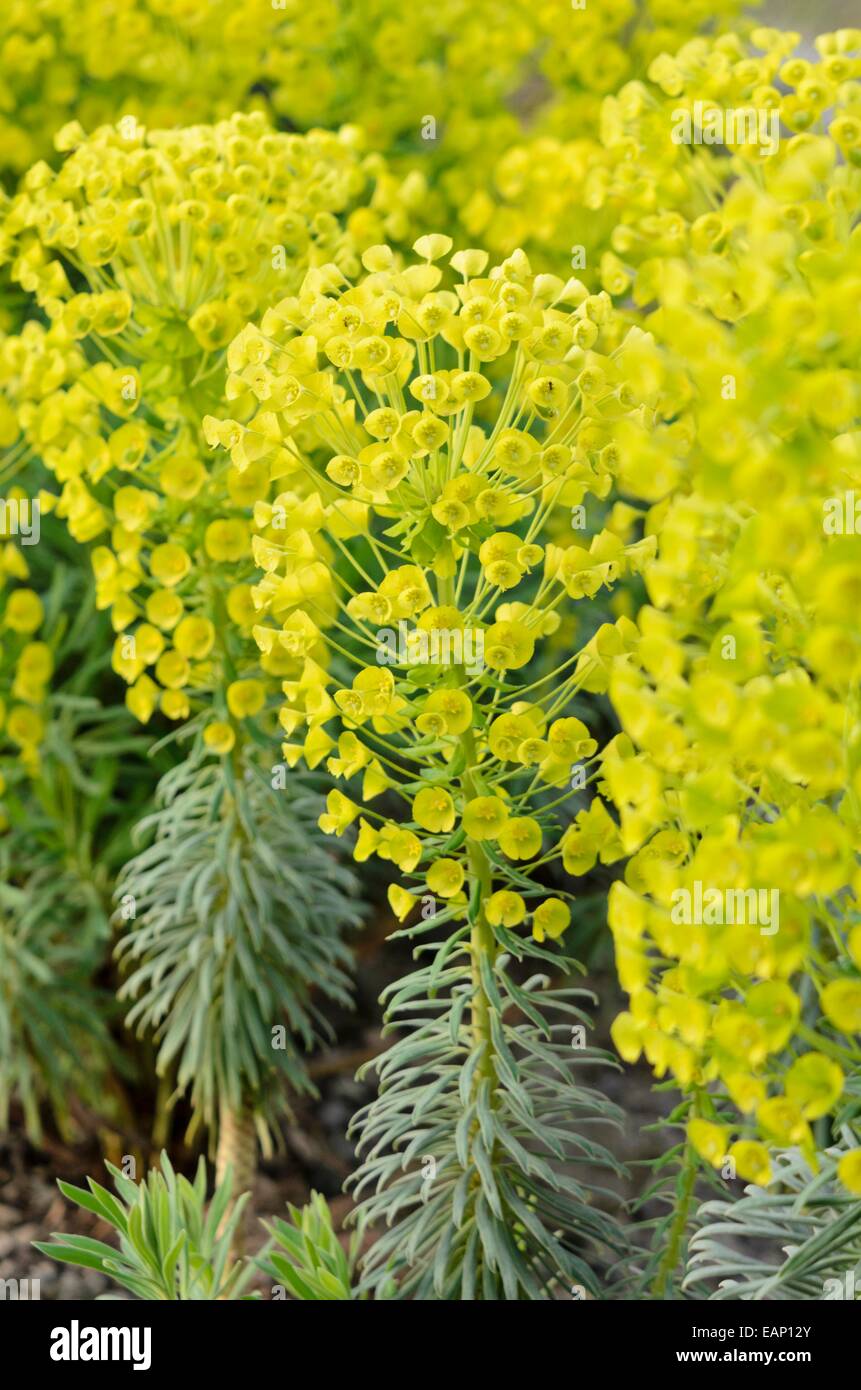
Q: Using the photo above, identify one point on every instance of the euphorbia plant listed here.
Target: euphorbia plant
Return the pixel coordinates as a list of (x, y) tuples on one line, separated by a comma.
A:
[(146, 251), (63, 820), (174, 1247), (237, 940), (407, 567), (737, 781)]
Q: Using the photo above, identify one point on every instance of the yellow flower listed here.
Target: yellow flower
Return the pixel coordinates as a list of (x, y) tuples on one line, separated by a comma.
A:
[(352, 757), (434, 246), (445, 877), (508, 646), (149, 643), (375, 781), (339, 814), (484, 817), (520, 838), (400, 901), (245, 698), (782, 1122), (407, 589), (507, 734), (125, 659), (505, 908), (429, 433), (214, 324), (172, 670), (194, 637), (24, 611), (376, 687), (453, 706), (849, 1171), (134, 507), (24, 726), (169, 564), (219, 736), (174, 704), (123, 612), (550, 918), (751, 1161), (594, 834), (182, 476), (240, 605), (164, 609), (402, 847), (433, 809), (709, 1140), (776, 1007), (746, 1090), (227, 540), (142, 698), (317, 746), (35, 664), (367, 842), (742, 1036), (626, 1032), (814, 1083), (841, 1002), (569, 740)]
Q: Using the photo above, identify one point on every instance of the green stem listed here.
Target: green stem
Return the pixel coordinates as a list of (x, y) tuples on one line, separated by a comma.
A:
[(668, 1264), (481, 943)]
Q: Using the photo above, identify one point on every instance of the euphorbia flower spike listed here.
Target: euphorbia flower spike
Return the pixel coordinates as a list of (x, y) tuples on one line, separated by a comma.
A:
[(737, 778), (147, 250), (433, 434)]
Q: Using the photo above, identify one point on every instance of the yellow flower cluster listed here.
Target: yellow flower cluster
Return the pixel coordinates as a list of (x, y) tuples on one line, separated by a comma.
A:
[(447, 92), (666, 141), (147, 251), (162, 62), (390, 69), (404, 570), (738, 776), (546, 188), (479, 103), (382, 548), (26, 662)]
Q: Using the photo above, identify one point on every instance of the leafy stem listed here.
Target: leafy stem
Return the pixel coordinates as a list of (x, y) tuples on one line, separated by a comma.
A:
[(684, 1193)]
